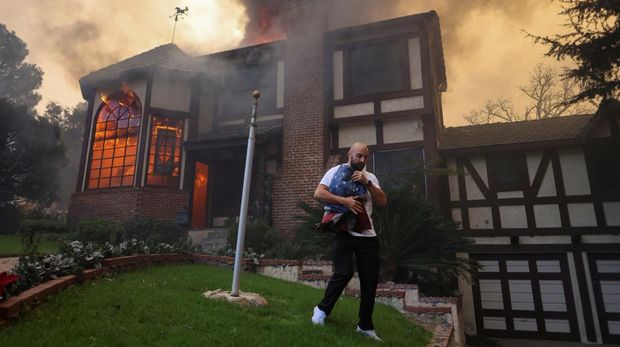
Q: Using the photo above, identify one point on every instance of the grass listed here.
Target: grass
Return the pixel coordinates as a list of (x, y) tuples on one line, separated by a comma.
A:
[(11, 245), (163, 306)]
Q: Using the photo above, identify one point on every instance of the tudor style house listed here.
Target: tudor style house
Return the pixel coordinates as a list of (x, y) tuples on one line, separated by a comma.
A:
[(166, 137), (167, 132), (541, 202)]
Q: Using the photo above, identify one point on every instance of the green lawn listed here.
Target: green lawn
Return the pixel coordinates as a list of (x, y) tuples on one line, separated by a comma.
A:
[(11, 244), (163, 306)]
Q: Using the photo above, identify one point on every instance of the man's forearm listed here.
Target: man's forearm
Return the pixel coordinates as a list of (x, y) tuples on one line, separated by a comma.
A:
[(325, 196), (378, 196)]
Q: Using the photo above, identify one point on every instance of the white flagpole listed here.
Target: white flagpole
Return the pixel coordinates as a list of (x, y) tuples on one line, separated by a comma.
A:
[(245, 197)]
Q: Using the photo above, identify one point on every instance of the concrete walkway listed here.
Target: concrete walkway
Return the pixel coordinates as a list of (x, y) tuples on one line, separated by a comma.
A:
[(544, 343), (7, 264)]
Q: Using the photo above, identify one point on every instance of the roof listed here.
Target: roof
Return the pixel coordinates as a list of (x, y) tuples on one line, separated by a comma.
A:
[(489, 136), (168, 56)]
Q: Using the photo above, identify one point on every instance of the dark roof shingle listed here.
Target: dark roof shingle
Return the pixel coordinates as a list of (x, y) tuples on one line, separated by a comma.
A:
[(167, 56), (497, 134)]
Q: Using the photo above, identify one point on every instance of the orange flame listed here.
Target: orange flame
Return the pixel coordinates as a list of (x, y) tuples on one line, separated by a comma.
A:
[(106, 102)]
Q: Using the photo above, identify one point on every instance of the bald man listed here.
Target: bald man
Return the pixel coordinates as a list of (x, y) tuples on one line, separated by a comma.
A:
[(353, 243)]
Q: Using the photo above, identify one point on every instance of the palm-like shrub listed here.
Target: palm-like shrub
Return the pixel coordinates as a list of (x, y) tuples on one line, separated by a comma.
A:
[(417, 244)]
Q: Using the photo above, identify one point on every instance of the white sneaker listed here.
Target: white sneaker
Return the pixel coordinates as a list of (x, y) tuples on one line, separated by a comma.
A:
[(369, 333), (318, 316)]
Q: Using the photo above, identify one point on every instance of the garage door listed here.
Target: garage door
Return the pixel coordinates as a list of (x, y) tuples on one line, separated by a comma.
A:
[(525, 295), (605, 271)]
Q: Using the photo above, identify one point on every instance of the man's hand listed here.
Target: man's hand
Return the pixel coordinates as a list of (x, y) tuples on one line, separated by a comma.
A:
[(358, 176), (353, 204), (323, 195)]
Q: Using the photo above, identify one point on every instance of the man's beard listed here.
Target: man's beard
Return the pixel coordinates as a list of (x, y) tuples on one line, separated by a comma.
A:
[(358, 166)]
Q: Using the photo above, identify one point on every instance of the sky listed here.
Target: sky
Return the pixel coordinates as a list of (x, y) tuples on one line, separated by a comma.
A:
[(486, 51)]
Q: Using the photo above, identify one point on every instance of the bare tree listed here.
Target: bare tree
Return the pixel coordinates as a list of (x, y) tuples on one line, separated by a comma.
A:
[(548, 95)]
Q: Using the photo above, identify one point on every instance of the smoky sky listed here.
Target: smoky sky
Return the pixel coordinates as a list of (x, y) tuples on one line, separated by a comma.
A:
[(486, 53)]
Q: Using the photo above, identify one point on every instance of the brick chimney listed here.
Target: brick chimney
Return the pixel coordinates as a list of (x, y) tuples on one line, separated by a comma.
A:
[(304, 138)]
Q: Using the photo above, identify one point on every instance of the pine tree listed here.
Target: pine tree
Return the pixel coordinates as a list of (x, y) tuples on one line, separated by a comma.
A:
[(593, 43)]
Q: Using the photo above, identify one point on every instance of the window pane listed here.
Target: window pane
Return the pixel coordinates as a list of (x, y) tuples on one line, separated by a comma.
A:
[(507, 171), (376, 68), (111, 137), (164, 153), (400, 167)]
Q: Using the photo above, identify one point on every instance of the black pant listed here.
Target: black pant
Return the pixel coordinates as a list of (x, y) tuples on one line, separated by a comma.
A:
[(366, 251)]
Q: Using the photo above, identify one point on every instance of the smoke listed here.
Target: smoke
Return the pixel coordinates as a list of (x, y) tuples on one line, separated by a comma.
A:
[(485, 49), (486, 54), (266, 21), (70, 38)]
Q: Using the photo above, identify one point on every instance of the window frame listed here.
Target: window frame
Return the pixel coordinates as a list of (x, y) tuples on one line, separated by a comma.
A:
[(266, 73), (602, 185), (93, 158), (165, 180), (423, 179), (518, 159), (403, 55)]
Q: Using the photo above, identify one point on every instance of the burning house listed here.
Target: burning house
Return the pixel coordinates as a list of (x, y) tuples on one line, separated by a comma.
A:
[(167, 132)]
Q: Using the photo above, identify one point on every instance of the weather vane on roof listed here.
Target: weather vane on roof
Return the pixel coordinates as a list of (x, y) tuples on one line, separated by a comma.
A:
[(178, 13)]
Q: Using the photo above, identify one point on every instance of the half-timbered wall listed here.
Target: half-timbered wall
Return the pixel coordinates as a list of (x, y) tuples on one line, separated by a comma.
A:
[(547, 241)]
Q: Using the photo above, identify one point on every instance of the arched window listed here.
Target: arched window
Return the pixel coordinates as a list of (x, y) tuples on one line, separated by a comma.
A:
[(115, 141)]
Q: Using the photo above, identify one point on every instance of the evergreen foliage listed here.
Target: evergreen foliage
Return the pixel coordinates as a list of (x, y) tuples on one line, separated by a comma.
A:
[(419, 245), (593, 43)]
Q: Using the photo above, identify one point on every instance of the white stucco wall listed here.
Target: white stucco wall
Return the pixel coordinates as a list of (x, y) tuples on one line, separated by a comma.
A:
[(402, 130), (607, 238), (547, 216), (468, 313), (574, 172), (171, 93), (612, 213), (453, 180), (402, 104), (473, 192), (492, 240), (338, 75), (480, 218), (544, 240), (354, 110), (457, 216), (547, 186), (415, 63), (533, 162), (364, 133), (509, 195), (479, 163), (581, 215), (513, 216)]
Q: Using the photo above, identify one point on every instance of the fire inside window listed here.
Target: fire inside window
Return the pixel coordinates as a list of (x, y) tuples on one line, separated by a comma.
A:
[(165, 152), (115, 142)]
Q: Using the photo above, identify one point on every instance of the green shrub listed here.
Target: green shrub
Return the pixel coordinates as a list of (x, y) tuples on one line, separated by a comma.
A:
[(98, 231), (260, 237), (9, 218), (43, 226), (306, 243), (152, 230), (419, 245)]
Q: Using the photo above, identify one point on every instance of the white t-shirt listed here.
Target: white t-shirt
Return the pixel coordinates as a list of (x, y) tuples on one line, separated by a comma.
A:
[(327, 180)]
